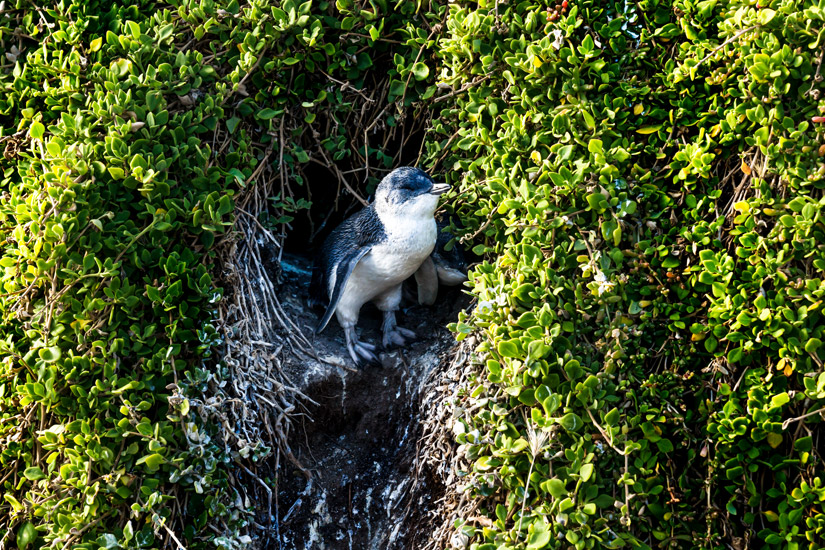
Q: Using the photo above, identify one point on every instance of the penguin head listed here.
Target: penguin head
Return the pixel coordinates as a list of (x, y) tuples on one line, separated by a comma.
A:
[(408, 192)]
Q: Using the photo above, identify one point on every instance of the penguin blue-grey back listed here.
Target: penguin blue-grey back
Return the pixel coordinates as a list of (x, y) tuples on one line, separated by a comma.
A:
[(370, 254)]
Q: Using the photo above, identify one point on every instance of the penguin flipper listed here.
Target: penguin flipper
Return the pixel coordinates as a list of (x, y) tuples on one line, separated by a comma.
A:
[(342, 272)]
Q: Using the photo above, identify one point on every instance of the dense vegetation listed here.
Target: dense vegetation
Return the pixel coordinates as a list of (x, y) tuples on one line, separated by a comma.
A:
[(644, 180), (647, 179), (129, 129)]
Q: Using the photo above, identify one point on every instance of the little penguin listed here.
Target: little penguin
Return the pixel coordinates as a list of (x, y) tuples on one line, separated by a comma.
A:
[(371, 253)]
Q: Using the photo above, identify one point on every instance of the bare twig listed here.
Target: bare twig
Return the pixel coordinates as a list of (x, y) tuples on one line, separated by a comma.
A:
[(790, 421), (461, 90), (608, 439), (725, 43)]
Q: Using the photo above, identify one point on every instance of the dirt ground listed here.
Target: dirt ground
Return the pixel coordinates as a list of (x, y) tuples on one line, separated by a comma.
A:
[(359, 440)]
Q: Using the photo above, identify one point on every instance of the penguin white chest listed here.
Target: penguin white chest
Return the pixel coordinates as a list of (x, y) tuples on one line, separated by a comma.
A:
[(398, 256), (406, 245)]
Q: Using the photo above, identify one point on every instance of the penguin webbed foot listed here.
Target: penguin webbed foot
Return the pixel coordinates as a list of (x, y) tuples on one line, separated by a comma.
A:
[(393, 334), (361, 353)]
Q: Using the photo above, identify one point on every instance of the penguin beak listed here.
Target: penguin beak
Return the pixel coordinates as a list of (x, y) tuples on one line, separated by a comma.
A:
[(439, 188)]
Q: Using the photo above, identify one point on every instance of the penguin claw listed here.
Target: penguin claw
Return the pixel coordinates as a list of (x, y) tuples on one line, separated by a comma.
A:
[(361, 353), (364, 356), (398, 336), (393, 334), (393, 337), (406, 333)]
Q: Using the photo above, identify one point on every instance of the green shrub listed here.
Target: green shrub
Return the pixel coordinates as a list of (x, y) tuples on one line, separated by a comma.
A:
[(129, 130), (109, 209), (646, 180)]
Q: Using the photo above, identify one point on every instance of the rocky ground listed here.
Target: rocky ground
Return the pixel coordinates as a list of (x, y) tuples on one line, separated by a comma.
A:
[(358, 439)]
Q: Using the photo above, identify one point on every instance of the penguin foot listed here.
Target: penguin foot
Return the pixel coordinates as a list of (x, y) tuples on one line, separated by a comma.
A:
[(398, 336), (363, 356), (393, 334), (407, 333), (361, 352), (393, 338)]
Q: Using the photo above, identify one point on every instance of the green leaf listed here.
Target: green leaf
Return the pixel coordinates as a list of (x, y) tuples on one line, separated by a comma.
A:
[(239, 176), (152, 461), (540, 537), (165, 32), (803, 444), (37, 130), (734, 473), (153, 100), (108, 541), (649, 129), (595, 200), (49, 355), (780, 399), (421, 71), (134, 28), (15, 504), (33, 473), (551, 403), (565, 152), (588, 120), (555, 487), (735, 355), (266, 114), (486, 463), (26, 535), (587, 44), (128, 531), (573, 369), (766, 15), (612, 417), (55, 147), (507, 348), (664, 445), (571, 422), (116, 172), (586, 472)]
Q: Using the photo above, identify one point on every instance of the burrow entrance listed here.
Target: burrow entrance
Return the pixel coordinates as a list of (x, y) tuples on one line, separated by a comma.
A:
[(358, 440), (286, 390), (355, 432)]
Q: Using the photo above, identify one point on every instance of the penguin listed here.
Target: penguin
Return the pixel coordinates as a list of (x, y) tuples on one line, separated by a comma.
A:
[(368, 257), (443, 267)]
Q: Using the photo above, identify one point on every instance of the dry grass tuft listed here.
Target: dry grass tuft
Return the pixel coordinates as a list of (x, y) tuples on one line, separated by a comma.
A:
[(250, 395)]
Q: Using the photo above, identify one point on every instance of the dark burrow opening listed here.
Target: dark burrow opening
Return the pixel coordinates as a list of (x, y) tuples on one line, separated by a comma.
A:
[(329, 200), (358, 439), (356, 433)]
